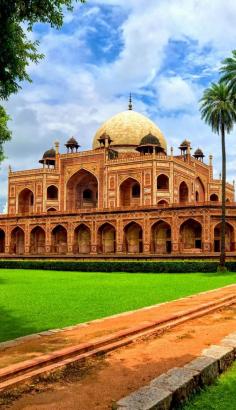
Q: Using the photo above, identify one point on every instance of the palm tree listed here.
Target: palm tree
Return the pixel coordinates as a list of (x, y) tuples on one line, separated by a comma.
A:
[(218, 110), (228, 71)]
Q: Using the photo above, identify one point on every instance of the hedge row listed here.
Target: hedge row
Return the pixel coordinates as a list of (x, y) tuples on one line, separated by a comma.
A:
[(117, 266)]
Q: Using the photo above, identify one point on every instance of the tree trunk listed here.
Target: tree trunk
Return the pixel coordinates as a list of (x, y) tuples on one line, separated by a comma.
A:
[(222, 250)]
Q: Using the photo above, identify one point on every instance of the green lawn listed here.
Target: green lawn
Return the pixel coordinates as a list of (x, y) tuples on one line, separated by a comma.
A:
[(220, 396), (33, 300)]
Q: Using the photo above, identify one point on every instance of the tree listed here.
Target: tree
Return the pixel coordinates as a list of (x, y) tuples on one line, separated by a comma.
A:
[(228, 71), (219, 111), (17, 51), (5, 134)]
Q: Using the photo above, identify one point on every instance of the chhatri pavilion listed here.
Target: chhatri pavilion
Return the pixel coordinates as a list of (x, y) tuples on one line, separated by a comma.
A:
[(127, 195)]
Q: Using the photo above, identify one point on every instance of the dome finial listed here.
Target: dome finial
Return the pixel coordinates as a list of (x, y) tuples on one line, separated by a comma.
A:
[(130, 106)]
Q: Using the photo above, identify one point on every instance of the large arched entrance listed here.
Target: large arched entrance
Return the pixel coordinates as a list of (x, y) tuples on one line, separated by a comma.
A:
[(161, 237), (17, 245), (26, 201), (191, 236), (199, 191), (229, 238), (37, 241), (82, 190), (130, 192), (59, 240), (82, 239), (183, 192), (133, 236), (2, 241), (106, 239)]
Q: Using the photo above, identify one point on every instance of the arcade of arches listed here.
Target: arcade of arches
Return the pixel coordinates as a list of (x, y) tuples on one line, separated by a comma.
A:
[(158, 240), (130, 193)]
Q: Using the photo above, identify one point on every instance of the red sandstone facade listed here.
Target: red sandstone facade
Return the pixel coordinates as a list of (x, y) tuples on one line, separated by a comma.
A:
[(124, 197)]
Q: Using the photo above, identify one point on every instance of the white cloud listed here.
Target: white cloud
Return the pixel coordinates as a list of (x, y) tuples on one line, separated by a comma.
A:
[(72, 94), (175, 93)]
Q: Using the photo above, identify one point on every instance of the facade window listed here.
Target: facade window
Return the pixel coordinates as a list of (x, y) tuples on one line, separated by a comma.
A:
[(162, 182), (52, 192)]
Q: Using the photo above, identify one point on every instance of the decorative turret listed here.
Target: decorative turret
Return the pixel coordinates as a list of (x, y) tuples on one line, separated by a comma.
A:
[(185, 148), (198, 154), (104, 140), (72, 145), (49, 157), (150, 144)]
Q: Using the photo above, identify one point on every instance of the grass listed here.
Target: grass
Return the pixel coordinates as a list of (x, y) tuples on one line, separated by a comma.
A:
[(220, 396), (34, 300)]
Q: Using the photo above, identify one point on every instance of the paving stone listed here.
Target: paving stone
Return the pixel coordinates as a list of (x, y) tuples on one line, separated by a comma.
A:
[(46, 333), (207, 367), (224, 355), (181, 381), (7, 344), (146, 398)]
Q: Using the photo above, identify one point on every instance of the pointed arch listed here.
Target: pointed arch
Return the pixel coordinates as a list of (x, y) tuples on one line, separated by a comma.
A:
[(162, 182), (130, 192), (59, 239), (82, 190), (183, 192), (229, 237), (82, 239), (191, 235), (133, 238), (199, 190), (214, 198), (106, 238), (51, 209), (161, 237), (163, 202), (25, 201), (37, 240), (52, 193), (17, 241), (2, 241)]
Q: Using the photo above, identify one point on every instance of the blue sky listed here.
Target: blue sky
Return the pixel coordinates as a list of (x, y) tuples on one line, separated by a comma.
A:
[(164, 52)]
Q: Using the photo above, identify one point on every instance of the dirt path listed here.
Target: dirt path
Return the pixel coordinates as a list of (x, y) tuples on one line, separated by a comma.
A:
[(101, 382), (94, 330)]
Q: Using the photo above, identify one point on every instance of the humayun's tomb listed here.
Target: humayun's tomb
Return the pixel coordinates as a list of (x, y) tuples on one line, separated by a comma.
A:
[(125, 196)]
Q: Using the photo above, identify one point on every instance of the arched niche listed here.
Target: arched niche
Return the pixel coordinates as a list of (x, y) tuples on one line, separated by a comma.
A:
[(25, 201), (200, 190), (51, 209), (162, 182), (17, 243), (162, 202), (161, 237), (2, 241), (82, 191), (52, 193), (214, 198), (82, 239), (130, 192), (106, 239), (191, 235), (59, 240), (183, 192), (37, 241), (133, 237), (229, 238)]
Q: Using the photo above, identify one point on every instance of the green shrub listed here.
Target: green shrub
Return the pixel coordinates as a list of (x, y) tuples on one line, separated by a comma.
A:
[(117, 266)]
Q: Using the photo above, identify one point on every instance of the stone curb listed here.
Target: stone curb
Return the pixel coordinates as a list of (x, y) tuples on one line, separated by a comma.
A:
[(23, 339), (172, 389)]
